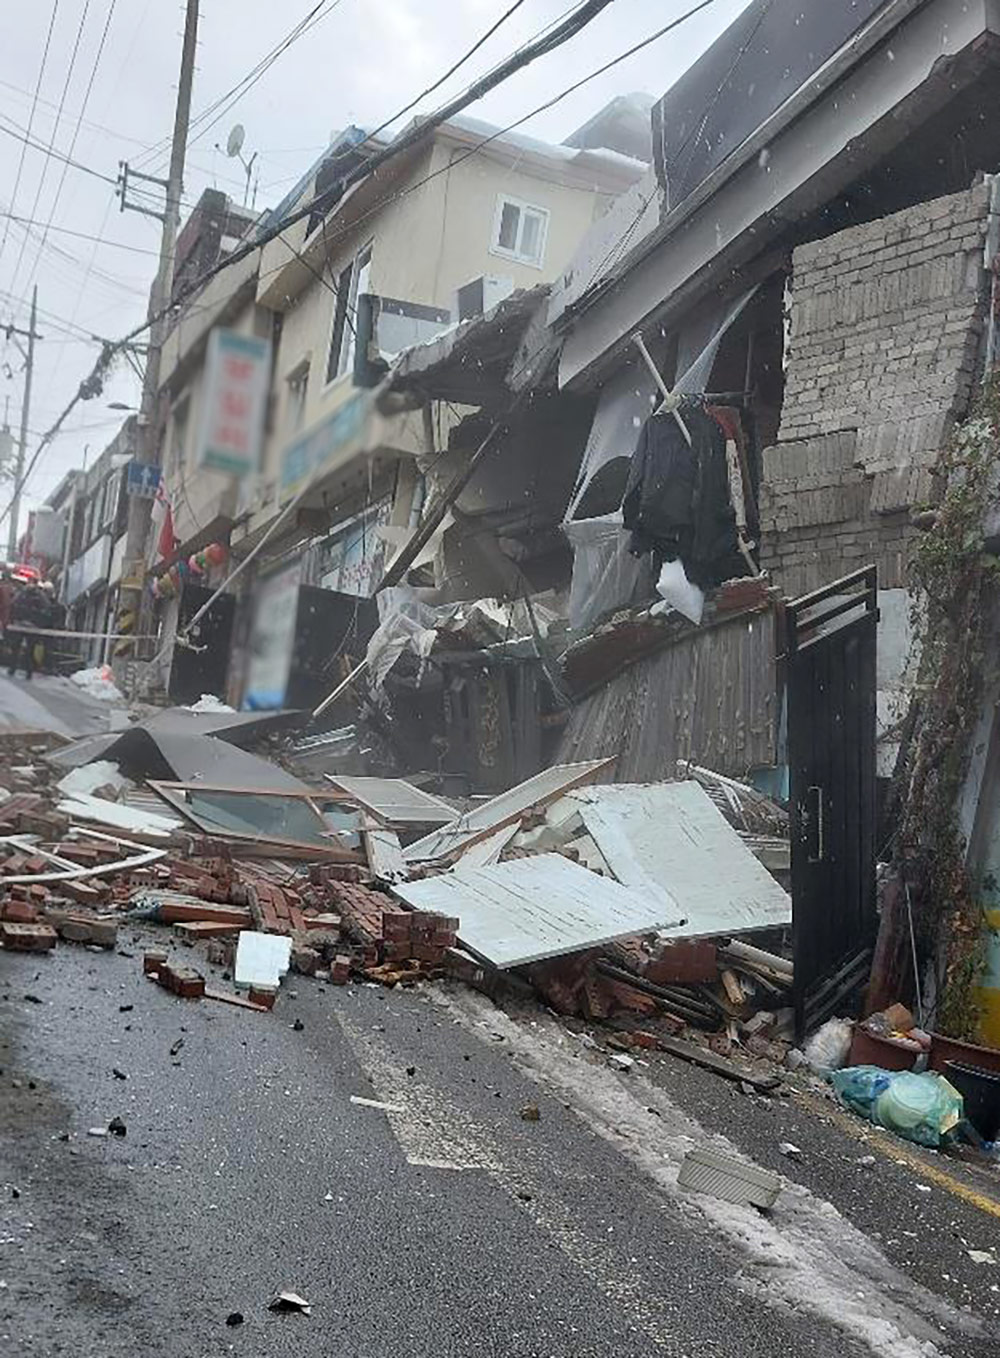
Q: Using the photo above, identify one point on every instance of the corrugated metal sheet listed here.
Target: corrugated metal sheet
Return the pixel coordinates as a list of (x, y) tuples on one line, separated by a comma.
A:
[(541, 790), (532, 908), (671, 840), (395, 800), (710, 696)]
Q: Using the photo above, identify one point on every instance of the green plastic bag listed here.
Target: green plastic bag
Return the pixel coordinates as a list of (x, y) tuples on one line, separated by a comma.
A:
[(921, 1108)]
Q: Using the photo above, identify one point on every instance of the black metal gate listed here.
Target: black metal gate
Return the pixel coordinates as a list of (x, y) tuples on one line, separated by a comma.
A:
[(830, 676)]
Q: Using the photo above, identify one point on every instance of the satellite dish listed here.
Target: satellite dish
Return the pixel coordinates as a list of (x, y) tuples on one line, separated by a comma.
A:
[(235, 143)]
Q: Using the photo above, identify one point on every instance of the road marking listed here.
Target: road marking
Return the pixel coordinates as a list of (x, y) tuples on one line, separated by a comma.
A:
[(805, 1254), (896, 1149), (432, 1133)]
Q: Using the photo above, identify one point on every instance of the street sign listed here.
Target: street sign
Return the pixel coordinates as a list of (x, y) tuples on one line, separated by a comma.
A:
[(143, 480), (237, 375)]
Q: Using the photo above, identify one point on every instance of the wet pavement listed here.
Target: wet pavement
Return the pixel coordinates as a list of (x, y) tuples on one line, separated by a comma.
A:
[(446, 1225)]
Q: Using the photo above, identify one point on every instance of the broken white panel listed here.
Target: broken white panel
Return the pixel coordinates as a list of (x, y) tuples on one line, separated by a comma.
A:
[(487, 851), (81, 806), (394, 800), (541, 790), (385, 856), (529, 909), (671, 840), (261, 959)]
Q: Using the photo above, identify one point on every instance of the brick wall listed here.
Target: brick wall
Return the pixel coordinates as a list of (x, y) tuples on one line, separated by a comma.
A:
[(882, 355)]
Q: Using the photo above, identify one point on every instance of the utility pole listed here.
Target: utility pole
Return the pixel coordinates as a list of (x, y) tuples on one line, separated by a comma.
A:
[(22, 447), (147, 444)]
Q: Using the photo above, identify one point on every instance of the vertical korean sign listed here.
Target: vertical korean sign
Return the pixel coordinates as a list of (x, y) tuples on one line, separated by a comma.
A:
[(237, 372)]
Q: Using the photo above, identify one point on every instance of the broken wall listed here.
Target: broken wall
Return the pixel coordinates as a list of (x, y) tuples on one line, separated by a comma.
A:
[(885, 329)]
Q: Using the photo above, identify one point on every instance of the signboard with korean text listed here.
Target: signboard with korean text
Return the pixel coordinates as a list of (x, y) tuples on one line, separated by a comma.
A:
[(237, 373)]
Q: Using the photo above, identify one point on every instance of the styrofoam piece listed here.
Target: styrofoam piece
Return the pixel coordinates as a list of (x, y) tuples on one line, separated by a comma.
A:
[(708, 1171), (261, 959)]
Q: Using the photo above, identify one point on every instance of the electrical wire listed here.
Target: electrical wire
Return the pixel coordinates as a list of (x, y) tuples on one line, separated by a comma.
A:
[(81, 235), (76, 133), (582, 15), (35, 98), (313, 17), (19, 134), (49, 154)]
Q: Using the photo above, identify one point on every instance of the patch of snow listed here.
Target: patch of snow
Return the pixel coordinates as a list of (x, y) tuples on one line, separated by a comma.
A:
[(98, 683)]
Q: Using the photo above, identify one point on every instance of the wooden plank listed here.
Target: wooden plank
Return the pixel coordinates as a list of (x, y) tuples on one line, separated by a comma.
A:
[(699, 1056)]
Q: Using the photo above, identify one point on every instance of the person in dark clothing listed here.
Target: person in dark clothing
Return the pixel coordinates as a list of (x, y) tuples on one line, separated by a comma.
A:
[(29, 610)]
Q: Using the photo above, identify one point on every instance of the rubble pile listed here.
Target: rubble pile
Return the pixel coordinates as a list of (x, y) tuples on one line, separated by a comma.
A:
[(333, 872)]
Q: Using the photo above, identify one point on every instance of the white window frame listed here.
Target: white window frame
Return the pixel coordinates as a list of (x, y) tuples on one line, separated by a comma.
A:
[(345, 358), (532, 261)]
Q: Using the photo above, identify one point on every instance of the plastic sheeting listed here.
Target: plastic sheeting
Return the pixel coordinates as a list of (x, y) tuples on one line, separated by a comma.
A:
[(605, 574)]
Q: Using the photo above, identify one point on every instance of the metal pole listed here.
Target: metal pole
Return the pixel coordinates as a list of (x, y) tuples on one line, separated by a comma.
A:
[(147, 446), (22, 447)]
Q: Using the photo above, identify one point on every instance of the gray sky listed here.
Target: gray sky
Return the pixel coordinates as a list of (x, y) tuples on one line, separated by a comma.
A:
[(363, 61)]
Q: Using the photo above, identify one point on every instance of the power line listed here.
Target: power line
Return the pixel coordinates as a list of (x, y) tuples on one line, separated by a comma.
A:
[(450, 71), (80, 235), (31, 119), (52, 140), (76, 132), (581, 16), (253, 75), (19, 134)]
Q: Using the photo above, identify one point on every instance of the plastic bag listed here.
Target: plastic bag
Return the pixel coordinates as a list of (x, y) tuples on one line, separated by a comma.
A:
[(921, 1108), (677, 590), (829, 1046)]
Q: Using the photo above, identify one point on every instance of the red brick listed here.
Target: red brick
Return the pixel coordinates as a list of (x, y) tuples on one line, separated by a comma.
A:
[(153, 960), (183, 981), (27, 937), (175, 911), (19, 912), (262, 997)]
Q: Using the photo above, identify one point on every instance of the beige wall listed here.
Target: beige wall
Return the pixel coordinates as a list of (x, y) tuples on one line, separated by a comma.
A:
[(426, 243)]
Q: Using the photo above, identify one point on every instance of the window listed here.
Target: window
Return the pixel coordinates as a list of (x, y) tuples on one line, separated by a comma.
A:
[(353, 282), (519, 231), (298, 385), (178, 433)]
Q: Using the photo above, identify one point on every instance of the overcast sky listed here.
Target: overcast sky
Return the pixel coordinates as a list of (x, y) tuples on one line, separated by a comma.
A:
[(365, 59)]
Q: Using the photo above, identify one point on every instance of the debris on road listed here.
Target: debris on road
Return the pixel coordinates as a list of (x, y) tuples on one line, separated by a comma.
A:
[(530, 1113), (377, 1103), (289, 1302), (709, 1171)]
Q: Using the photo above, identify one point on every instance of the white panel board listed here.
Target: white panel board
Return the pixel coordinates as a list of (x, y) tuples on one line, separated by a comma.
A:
[(394, 800), (532, 908), (504, 809), (671, 839)]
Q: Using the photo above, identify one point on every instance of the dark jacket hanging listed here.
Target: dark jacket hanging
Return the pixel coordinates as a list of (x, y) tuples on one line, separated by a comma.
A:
[(677, 501)]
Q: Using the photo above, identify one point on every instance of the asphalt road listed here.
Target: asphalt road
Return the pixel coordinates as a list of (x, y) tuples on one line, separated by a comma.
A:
[(450, 1226)]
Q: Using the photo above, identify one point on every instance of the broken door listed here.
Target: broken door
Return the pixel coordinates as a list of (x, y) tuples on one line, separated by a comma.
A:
[(830, 677)]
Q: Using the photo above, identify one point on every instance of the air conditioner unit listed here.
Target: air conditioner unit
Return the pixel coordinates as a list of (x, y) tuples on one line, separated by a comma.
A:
[(482, 295)]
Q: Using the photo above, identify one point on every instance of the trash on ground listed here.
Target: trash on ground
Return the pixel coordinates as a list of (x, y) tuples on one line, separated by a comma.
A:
[(922, 1108), (377, 1103), (709, 1171), (290, 1301)]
